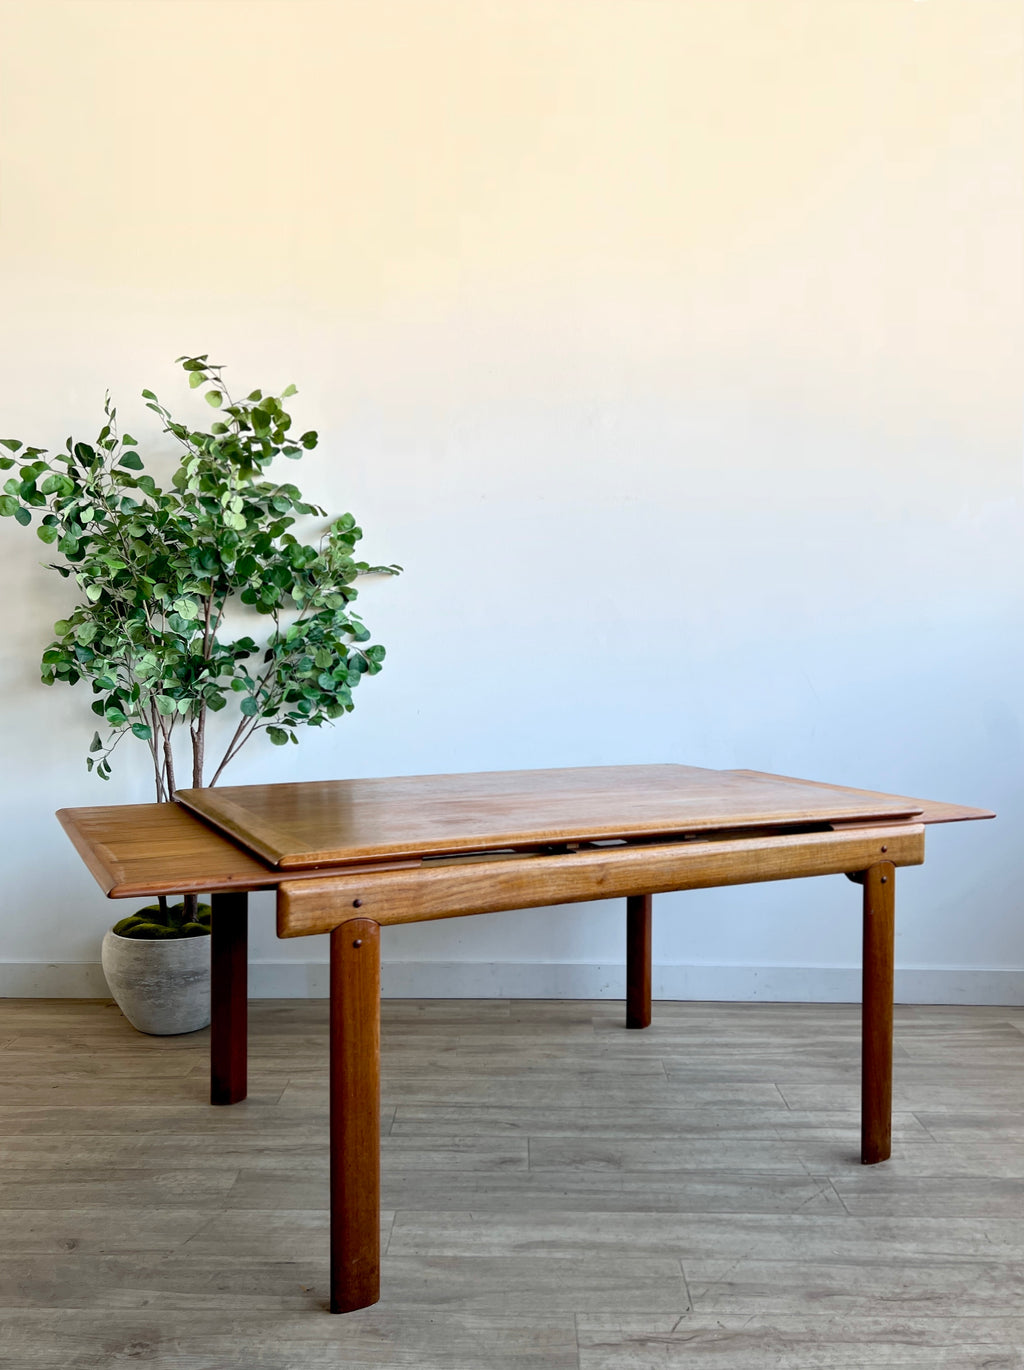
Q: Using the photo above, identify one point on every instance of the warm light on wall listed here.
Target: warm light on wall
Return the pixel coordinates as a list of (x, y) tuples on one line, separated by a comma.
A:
[(673, 346)]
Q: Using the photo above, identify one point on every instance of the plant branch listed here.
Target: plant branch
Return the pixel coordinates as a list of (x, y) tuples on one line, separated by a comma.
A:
[(199, 748), (166, 729), (242, 734), (154, 728)]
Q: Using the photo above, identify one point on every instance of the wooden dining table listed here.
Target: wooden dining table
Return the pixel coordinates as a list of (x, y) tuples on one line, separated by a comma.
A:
[(348, 857)]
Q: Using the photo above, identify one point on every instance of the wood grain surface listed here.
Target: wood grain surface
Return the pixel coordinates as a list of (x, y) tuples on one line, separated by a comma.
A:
[(450, 889), (138, 850), (878, 978), (355, 1115), (141, 850), (338, 822), (926, 810)]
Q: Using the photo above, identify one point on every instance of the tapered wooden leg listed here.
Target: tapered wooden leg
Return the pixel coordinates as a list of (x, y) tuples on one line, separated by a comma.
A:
[(638, 961), (229, 992), (876, 1064), (355, 1115)]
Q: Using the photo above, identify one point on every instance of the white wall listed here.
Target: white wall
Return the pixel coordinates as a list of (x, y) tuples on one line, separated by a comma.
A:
[(673, 348)]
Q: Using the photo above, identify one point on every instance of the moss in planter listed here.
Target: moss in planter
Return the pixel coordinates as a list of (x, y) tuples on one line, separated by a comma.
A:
[(154, 924)]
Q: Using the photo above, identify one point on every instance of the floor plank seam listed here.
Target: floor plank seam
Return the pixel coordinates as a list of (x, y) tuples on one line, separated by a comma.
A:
[(752, 1200)]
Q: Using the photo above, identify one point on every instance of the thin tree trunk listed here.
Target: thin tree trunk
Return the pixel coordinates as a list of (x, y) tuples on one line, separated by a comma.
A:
[(199, 748), (169, 765), (155, 732)]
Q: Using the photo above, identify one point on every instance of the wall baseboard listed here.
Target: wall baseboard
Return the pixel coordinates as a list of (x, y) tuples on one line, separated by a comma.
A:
[(545, 980)]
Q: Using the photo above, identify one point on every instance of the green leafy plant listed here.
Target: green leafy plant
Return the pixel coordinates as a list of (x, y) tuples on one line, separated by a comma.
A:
[(159, 568)]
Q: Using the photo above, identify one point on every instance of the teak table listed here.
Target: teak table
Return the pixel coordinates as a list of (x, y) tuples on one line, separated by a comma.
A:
[(349, 856)]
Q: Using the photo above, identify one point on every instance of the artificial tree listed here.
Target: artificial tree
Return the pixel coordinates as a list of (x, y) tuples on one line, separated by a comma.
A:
[(159, 568)]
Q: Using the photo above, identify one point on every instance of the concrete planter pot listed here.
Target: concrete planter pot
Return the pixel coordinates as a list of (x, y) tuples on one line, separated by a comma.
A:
[(162, 987)]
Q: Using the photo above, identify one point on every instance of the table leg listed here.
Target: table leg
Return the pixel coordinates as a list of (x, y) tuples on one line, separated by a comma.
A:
[(355, 1115), (638, 960), (229, 993), (876, 1062)]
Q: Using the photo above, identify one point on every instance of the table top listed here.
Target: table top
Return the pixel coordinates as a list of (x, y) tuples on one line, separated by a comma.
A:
[(342, 822), (305, 830)]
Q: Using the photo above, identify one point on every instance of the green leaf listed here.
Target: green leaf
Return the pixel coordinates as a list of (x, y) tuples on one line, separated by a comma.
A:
[(47, 534), (146, 566), (96, 745)]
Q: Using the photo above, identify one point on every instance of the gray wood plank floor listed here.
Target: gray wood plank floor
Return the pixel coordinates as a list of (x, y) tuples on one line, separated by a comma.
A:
[(558, 1192)]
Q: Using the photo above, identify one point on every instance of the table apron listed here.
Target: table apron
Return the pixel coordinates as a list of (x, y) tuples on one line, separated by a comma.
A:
[(449, 890)]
